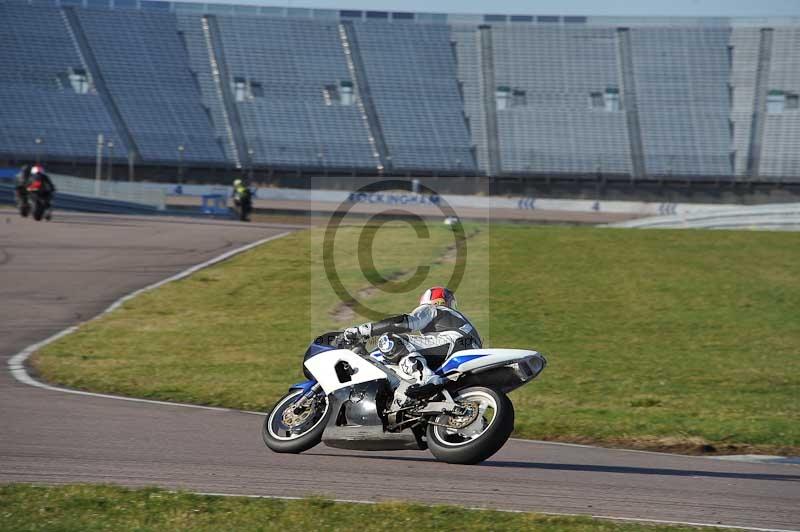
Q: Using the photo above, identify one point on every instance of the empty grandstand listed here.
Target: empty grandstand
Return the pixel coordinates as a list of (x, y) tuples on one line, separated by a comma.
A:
[(273, 89), (46, 104)]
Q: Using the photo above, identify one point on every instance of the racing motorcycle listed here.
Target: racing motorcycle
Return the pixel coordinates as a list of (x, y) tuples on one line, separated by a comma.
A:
[(34, 199), (350, 401), (23, 204)]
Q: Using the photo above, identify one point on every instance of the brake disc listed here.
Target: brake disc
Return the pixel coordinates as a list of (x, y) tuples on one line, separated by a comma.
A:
[(465, 420), (291, 420)]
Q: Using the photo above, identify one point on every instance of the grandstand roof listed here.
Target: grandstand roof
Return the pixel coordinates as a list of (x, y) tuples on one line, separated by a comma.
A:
[(418, 17)]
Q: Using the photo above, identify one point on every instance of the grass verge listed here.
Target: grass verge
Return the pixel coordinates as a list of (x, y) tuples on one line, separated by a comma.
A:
[(670, 340), (89, 508)]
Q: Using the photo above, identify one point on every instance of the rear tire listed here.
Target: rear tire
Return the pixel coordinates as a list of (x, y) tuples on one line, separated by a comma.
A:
[(279, 439), (449, 446)]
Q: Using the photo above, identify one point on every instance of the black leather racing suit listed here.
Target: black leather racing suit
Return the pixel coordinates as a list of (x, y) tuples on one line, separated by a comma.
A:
[(443, 332), (21, 186)]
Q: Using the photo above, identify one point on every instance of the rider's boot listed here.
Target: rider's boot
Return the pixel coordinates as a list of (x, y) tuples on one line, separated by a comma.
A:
[(424, 391), (428, 383)]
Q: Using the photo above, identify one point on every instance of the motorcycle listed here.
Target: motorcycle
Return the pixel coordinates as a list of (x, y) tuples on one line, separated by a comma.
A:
[(36, 200), (23, 204), (350, 401)]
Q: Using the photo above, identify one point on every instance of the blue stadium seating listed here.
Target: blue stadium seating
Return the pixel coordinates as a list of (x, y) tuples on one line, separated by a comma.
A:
[(702, 98), (146, 69), (291, 124), (412, 79), (554, 71), (36, 52), (781, 154), (682, 80)]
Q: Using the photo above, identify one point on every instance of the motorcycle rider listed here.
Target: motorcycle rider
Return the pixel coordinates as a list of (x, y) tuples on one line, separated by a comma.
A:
[(21, 188), (242, 199), (443, 331), (40, 183)]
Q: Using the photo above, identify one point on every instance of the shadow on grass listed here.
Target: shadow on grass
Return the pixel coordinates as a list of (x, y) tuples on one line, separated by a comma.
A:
[(588, 468)]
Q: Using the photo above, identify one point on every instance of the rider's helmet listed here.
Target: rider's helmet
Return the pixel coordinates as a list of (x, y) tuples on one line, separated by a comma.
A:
[(37, 169), (438, 295), (237, 183)]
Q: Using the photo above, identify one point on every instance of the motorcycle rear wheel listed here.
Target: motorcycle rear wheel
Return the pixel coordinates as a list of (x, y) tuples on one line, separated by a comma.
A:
[(466, 440), (283, 438)]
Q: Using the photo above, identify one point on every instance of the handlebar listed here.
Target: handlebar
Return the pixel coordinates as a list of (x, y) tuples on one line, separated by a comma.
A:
[(358, 346)]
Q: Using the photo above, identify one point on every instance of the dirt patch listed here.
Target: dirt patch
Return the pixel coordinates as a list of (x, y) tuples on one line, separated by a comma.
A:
[(343, 312)]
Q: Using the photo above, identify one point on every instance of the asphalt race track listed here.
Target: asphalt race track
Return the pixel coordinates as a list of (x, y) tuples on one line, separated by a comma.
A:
[(58, 274)]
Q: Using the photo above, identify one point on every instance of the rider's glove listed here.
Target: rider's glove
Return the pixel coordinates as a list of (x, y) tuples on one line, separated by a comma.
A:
[(356, 333), (350, 334)]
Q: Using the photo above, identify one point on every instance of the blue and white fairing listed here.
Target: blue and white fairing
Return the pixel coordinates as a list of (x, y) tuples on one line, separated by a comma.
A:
[(505, 368), (518, 366)]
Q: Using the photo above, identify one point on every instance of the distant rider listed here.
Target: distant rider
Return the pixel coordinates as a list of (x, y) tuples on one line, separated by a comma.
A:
[(242, 199), (21, 187), (443, 331), (39, 183)]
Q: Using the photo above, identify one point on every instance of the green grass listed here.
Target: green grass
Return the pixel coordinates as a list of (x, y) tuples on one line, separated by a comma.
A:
[(95, 508), (678, 340)]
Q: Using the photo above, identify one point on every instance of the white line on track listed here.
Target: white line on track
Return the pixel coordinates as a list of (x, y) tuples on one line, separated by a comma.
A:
[(16, 365)]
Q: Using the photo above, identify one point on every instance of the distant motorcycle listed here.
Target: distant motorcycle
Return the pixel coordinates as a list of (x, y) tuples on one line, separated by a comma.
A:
[(23, 203), (37, 200), (349, 402)]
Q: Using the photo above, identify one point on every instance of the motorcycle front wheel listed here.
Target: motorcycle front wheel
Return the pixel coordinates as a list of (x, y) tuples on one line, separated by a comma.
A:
[(287, 431), (482, 430), (38, 210)]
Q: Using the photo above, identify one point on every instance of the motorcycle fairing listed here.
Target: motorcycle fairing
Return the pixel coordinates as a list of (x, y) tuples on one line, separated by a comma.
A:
[(341, 368), (355, 422), (304, 386), (313, 350), (454, 362), (477, 360)]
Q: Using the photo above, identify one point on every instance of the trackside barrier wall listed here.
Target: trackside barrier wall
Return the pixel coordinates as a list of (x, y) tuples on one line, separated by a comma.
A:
[(476, 202), (780, 216), (112, 190), (70, 202)]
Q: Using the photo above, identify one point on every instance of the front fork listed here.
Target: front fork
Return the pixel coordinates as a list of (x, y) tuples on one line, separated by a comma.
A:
[(300, 405)]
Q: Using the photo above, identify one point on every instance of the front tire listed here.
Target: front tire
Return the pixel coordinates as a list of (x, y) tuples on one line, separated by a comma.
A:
[(474, 437), (302, 435), (38, 210)]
